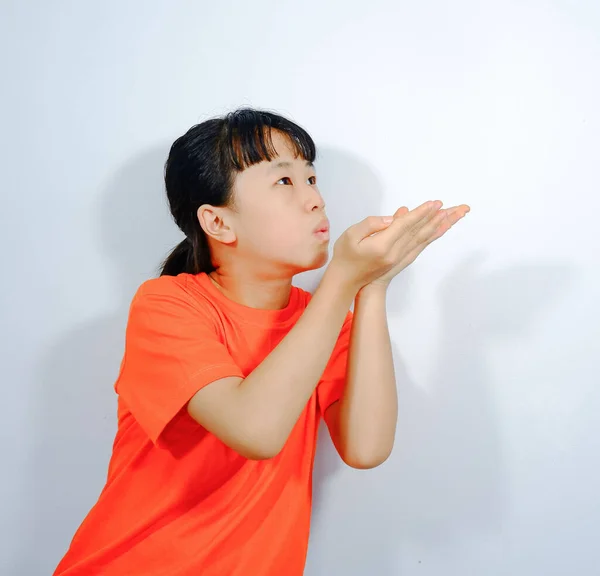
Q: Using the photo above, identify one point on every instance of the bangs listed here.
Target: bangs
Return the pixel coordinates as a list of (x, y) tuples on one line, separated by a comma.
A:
[(248, 138)]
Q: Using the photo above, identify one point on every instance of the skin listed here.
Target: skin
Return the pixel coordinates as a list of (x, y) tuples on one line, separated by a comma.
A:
[(259, 243), (267, 236)]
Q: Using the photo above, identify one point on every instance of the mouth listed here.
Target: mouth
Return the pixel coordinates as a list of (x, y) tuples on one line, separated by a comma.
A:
[(322, 230)]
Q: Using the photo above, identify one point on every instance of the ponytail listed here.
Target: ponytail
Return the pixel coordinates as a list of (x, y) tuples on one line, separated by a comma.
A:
[(191, 256)]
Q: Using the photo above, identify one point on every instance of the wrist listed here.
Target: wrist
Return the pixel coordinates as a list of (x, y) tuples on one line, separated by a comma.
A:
[(373, 290), (371, 302), (338, 280)]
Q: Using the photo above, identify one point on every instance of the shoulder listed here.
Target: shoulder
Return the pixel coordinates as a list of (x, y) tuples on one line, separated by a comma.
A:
[(172, 297), (184, 287), (164, 285)]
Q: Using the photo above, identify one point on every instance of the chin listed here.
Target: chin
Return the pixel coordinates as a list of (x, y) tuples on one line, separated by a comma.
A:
[(319, 262), (313, 262), (301, 268)]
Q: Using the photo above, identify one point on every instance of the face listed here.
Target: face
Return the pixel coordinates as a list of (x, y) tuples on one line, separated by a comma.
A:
[(279, 219)]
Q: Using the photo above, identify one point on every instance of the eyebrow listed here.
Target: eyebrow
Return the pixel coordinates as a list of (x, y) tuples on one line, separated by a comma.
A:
[(286, 164)]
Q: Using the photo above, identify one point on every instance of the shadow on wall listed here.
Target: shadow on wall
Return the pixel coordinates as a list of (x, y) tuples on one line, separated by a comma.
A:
[(445, 485), (451, 487), (77, 405), (352, 191), (446, 475)]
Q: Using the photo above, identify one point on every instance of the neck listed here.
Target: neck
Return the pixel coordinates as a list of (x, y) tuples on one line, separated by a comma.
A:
[(247, 289)]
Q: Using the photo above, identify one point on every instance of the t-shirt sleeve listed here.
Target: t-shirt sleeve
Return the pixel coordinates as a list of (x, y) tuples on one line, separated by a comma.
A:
[(172, 349), (331, 386)]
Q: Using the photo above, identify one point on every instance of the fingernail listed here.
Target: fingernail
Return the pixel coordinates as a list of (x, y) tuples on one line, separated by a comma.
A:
[(388, 219)]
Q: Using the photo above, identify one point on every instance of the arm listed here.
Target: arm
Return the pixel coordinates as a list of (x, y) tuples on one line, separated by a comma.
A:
[(255, 415), (363, 423)]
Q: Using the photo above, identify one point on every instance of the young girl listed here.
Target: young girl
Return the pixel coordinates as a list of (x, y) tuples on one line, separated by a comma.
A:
[(228, 367)]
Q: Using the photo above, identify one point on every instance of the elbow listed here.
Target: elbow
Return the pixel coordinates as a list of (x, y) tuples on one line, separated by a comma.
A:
[(365, 463), (255, 446), (257, 451), (250, 438), (366, 459)]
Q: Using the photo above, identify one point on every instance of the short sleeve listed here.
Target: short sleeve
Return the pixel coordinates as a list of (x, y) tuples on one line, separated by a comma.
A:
[(331, 386), (172, 350)]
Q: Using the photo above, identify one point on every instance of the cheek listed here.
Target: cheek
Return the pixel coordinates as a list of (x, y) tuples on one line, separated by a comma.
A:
[(282, 235), (275, 229), (270, 234), (277, 224)]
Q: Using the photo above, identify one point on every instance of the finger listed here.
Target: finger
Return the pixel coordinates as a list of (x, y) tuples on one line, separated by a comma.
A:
[(369, 226), (414, 253), (455, 213), (415, 232), (410, 222), (427, 218), (442, 222), (401, 211), (439, 224), (447, 217)]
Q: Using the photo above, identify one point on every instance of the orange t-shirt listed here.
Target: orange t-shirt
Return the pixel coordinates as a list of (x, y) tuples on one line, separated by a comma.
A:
[(177, 501)]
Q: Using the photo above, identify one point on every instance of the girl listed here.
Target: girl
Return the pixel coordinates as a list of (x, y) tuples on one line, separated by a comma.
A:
[(228, 367)]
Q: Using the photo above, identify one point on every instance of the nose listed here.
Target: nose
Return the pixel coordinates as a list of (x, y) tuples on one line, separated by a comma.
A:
[(314, 199)]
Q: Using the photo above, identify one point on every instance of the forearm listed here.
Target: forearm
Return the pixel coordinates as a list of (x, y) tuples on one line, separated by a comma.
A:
[(369, 407), (273, 396)]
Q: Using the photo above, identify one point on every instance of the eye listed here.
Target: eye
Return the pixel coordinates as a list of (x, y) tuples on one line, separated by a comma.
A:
[(285, 181), (312, 180)]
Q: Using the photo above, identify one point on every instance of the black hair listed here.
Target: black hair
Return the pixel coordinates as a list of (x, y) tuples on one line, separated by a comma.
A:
[(201, 168)]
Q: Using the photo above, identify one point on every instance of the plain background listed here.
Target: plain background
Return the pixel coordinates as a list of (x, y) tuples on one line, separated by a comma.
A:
[(495, 328)]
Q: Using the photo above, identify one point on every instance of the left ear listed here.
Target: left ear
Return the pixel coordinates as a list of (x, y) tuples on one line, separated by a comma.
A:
[(216, 223)]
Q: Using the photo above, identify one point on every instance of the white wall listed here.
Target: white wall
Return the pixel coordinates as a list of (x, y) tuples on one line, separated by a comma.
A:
[(496, 470)]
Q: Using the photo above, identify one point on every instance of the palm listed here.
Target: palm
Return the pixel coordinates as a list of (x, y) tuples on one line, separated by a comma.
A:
[(451, 216)]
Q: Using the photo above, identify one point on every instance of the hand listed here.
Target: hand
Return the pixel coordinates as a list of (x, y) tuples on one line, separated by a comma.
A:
[(433, 226), (370, 249)]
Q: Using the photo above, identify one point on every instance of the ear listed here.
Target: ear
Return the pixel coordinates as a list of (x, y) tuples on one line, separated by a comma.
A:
[(216, 223)]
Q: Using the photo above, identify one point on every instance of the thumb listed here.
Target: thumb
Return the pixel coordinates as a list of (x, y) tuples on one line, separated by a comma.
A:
[(371, 225), (401, 212)]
